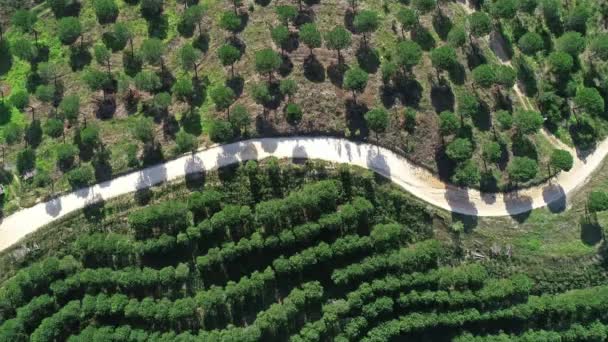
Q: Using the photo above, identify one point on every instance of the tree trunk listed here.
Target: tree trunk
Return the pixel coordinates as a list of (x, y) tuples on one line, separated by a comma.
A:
[(132, 49), (232, 69)]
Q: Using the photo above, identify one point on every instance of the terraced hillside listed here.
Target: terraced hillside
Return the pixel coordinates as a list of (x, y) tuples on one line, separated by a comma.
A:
[(277, 253)]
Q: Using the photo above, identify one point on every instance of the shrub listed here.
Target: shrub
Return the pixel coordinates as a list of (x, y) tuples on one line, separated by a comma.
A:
[(377, 120), (528, 122), (12, 133), (26, 160), (220, 131), (444, 58), (186, 142), (466, 174), (561, 160), (53, 127), (589, 100), (80, 176), (69, 30), (65, 155), (572, 43), (560, 62), (522, 169), (20, 99), (355, 79), (484, 75), (530, 43), (480, 24), (597, 201), (105, 10), (293, 112), (459, 150)]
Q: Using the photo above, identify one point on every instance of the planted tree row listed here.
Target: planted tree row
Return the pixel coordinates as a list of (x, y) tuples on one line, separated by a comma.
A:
[(346, 220), (420, 256), (539, 311)]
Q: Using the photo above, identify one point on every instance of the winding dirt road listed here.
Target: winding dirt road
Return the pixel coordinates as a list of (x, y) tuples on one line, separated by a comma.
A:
[(418, 181)]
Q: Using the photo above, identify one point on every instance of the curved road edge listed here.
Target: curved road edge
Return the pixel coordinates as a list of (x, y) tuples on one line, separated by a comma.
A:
[(418, 181)]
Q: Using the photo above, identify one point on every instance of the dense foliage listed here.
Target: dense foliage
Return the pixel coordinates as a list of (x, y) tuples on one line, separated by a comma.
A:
[(303, 253)]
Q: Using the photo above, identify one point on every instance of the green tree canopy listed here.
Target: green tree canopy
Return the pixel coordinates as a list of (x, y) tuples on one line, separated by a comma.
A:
[(310, 35), (480, 24), (504, 9), (460, 149), (183, 88), (280, 35), (407, 54), (355, 80), (366, 22), (448, 123), (231, 22), (561, 160), (185, 142), (228, 55), (466, 174), (408, 19), (293, 113), (286, 13), (24, 20), (444, 58), (528, 121), (424, 6), (143, 129), (267, 61), (457, 36), (530, 43), (152, 50), (522, 169), (589, 100), (338, 39), (468, 106), (377, 120), (222, 96), (24, 49), (560, 63), (105, 10), (484, 75), (505, 76), (240, 117), (597, 201), (68, 30), (599, 46), (69, 107), (491, 152), (571, 42)]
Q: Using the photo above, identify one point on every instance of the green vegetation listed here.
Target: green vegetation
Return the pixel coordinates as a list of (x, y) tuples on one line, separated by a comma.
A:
[(111, 62), (257, 252)]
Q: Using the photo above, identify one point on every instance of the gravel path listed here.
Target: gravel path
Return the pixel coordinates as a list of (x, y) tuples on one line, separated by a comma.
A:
[(418, 181)]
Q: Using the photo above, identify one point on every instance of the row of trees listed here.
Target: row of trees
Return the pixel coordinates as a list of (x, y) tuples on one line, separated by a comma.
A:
[(131, 281), (350, 217), (270, 323), (548, 311), (32, 281), (346, 318), (419, 256), (596, 330)]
